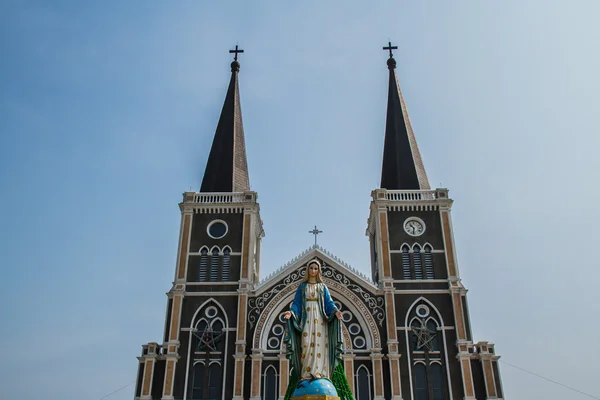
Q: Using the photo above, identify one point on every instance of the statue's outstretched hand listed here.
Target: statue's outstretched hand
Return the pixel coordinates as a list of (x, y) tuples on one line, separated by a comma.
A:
[(287, 315), (338, 314)]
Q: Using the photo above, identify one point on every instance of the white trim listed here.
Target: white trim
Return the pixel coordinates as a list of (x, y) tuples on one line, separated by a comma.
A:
[(214, 221), (422, 291), (433, 251), (264, 385), (357, 386)]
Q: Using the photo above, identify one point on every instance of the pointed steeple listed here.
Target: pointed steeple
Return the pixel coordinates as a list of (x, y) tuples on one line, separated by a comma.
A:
[(227, 167), (402, 165)]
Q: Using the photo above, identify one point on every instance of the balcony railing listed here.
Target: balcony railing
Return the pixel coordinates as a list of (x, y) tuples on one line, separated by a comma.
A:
[(219, 198), (409, 195)]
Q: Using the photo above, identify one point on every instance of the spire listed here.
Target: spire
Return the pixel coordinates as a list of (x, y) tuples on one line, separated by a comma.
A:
[(402, 165), (227, 167)]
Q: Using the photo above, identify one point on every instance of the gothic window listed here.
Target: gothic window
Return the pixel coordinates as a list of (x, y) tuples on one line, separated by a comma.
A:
[(226, 261), (417, 262), (406, 262), (198, 384), (203, 265), (363, 384), (214, 380), (428, 263), (437, 381), (421, 389), (208, 354), (426, 350), (207, 385), (270, 384), (214, 265)]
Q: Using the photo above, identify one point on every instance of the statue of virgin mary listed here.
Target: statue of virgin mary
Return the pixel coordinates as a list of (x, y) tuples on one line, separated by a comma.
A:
[(313, 335)]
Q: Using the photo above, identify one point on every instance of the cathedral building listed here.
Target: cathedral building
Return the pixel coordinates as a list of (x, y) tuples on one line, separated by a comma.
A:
[(406, 327)]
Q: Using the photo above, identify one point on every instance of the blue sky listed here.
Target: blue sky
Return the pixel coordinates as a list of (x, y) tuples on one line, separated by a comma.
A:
[(107, 112)]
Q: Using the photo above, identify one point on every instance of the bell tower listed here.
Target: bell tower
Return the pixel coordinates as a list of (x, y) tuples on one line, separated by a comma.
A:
[(203, 354), (430, 349)]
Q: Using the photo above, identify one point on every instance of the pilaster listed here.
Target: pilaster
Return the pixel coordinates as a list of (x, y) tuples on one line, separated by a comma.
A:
[(255, 386), (284, 374), (486, 356), (376, 359), (173, 343), (349, 369), (149, 360), (464, 358)]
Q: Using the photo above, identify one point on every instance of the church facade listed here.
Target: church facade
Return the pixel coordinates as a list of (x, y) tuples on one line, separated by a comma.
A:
[(406, 327)]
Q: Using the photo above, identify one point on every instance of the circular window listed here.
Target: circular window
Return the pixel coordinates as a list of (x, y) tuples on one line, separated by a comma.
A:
[(346, 316), (217, 229), (211, 312), (277, 330), (359, 342), (282, 317), (422, 310), (354, 329), (273, 343)]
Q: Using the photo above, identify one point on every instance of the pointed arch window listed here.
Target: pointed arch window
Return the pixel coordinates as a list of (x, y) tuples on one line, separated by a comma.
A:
[(208, 354), (198, 381), (406, 274), (428, 263), (214, 266), (203, 265), (226, 262), (363, 384), (421, 386), (417, 262), (426, 354), (270, 383), (437, 381)]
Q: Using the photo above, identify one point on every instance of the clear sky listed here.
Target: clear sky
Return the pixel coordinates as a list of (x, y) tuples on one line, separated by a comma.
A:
[(108, 110)]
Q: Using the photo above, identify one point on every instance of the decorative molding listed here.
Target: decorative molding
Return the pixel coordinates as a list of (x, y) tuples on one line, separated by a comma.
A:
[(294, 260)]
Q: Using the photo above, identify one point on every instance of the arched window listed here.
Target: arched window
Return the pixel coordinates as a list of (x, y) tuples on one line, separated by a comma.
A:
[(420, 376), (437, 381), (198, 381), (214, 381), (417, 262), (405, 262), (435, 341), (225, 269), (428, 263), (270, 384), (363, 384), (214, 266), (203, 265)]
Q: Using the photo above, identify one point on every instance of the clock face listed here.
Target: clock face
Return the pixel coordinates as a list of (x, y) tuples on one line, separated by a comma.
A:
[(414, 227)]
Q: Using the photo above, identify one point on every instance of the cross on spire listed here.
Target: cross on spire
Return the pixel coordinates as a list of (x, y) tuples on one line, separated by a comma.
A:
[(315, 232), (236, 51), (389, 47)]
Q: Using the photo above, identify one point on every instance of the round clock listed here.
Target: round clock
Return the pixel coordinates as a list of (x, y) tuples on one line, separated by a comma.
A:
[(414, 226)]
